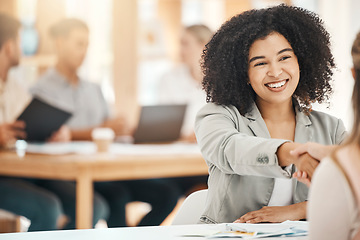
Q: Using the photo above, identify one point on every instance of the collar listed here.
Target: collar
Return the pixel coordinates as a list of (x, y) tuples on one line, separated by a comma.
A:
[(63, 79)]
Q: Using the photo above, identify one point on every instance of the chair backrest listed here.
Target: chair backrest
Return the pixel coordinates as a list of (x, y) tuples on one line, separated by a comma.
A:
[(191, 209)]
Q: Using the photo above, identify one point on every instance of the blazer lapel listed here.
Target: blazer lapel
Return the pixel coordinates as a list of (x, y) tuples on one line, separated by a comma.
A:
[(303, 129), (256, 123)]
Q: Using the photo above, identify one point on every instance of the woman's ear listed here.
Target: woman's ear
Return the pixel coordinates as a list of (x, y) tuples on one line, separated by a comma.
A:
[(353, 72)]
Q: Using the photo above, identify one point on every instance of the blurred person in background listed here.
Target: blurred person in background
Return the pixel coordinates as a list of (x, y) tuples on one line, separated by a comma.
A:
[(182, 85), (19, 196), (63, 87)]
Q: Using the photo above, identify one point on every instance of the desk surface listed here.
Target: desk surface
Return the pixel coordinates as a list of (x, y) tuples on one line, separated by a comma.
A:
[(123, 162), (134, 233)]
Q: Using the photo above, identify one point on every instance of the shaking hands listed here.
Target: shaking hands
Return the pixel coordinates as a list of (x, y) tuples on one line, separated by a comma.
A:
[(308, 156)]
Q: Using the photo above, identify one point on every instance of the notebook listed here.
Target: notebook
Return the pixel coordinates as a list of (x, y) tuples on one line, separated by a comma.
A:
[(160, 123), (42, 119)]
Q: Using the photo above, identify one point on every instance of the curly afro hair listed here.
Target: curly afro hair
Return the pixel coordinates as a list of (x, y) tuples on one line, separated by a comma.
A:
[(225, 57)]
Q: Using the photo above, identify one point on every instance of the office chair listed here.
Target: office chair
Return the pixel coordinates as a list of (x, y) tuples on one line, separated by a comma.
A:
[(192, 208)]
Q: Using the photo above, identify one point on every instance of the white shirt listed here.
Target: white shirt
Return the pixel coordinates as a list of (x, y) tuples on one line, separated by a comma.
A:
[(283, 191), (85, 101), (178, 87), (13, 100)]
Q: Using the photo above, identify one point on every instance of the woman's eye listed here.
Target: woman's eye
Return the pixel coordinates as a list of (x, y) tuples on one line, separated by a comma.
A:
[(259, 64), (284, 58)]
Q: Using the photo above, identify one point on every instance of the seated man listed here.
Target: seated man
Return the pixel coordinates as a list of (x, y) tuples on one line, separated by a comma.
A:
[(62, 86), (17, 195)]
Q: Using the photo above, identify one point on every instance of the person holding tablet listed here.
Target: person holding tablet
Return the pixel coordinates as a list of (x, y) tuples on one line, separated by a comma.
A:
[(19, 196), (182, 85), (263, 70)]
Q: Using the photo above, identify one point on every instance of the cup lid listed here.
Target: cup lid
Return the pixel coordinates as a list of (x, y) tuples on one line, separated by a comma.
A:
[(102, 133)]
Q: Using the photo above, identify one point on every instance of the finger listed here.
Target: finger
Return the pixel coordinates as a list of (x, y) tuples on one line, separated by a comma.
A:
[(19, 134), (298, 174), (248, 216), (256, 220), (312, 167), (237, 221), (18, 124)]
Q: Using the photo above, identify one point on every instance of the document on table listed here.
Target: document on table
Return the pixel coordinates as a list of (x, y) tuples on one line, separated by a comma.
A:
[(58, 148), (256, 231)]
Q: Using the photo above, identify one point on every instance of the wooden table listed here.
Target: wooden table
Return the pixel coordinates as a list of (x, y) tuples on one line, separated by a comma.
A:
[(85, 168)]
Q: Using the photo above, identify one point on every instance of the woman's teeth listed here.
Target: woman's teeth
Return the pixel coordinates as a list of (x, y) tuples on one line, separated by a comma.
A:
[(276, 85)]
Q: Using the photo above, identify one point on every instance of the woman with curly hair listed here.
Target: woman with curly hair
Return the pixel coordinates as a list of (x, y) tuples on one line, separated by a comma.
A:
[(263, 70)]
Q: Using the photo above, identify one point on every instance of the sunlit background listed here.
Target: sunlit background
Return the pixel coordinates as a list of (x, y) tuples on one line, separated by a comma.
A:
[(134, 42)]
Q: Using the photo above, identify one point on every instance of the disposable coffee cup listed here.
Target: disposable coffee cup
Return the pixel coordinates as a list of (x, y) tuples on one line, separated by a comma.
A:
[(103, 137)]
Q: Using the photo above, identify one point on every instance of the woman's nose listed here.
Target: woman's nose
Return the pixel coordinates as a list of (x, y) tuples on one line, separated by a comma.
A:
[(274, 71)]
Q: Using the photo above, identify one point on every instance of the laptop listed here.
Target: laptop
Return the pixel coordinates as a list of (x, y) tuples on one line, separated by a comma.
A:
[(160, 123)]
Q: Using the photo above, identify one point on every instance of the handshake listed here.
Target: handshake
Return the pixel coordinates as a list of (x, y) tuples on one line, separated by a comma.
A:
[(306, 158)]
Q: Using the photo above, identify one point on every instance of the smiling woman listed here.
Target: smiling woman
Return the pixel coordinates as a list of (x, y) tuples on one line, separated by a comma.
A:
[(263, 69), (273, 72)]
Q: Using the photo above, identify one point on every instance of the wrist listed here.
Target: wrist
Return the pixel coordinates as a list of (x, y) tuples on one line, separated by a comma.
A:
[(284, 156), (300, 210)]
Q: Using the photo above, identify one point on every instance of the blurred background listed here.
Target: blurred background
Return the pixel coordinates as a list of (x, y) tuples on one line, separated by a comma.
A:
[(134, 42)]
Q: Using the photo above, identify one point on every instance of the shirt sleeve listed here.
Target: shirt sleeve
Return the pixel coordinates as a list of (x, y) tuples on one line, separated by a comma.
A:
[(341, 133), (103, 104), (225, 142)]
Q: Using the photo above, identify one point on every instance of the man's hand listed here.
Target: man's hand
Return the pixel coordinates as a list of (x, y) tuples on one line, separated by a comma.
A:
[(10, 132), (275, 214), (61, 135), (118, 125), (191, 138)]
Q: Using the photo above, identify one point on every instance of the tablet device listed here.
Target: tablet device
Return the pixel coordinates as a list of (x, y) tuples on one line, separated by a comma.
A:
[(160, 123), (42, 119)]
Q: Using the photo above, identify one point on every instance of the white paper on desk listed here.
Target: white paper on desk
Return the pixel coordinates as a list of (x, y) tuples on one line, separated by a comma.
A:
[(287, 228), (62, 148)]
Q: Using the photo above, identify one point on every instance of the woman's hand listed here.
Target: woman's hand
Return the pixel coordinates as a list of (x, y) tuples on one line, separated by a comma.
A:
[(306, 163), (302, 177), (316, 150), (275, 214)]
